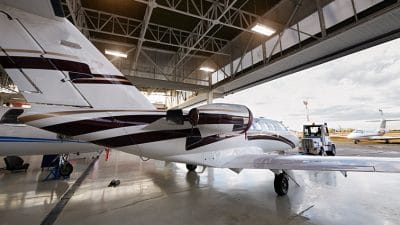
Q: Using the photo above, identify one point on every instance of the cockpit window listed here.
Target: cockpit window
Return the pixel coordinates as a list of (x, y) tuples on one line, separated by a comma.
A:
[(262, 124), (11, 116), (257, 126), (282, 127)]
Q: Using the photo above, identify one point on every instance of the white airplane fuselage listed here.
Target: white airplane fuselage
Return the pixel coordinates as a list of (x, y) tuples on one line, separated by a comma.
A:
[(216, 138), (365, 134)]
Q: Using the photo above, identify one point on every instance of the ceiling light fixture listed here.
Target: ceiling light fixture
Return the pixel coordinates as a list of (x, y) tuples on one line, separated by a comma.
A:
[(262, 29), (206, 69), (116, 53)]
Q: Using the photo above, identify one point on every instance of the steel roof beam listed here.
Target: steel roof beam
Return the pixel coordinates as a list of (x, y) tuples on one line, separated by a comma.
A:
[(112, 24), (146, 20), (75, 7), (202, 29), (235, 15), (99, 40)]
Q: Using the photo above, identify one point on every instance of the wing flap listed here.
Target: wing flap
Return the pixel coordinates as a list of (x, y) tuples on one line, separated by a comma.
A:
[(301, 162)]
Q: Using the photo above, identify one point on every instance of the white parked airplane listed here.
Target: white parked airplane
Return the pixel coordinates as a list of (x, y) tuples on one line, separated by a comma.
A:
[(84, 96), (20, 139), (378, 134)]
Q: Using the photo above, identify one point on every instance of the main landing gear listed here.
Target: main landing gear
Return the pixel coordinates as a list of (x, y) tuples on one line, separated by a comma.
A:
[(281, 184), (281, 181), (191, 167)]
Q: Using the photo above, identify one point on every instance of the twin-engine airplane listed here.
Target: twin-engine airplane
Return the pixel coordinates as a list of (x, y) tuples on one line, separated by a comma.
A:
[(83, 96), (378, 134)]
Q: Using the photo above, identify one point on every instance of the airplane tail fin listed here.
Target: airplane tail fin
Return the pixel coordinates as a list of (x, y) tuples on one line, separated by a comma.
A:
[(383, 121), (51, 62)]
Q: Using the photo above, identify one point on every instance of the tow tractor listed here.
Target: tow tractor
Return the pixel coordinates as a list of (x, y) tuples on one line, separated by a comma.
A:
[(316, 140)]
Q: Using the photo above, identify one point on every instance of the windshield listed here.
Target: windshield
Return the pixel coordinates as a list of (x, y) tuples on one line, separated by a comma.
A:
[(312, 131), (267, 125)]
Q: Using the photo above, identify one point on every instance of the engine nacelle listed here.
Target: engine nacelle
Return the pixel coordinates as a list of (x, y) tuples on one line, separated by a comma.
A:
[(220, 118)]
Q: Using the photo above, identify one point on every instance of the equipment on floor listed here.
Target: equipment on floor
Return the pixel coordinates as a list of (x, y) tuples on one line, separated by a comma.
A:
[(58, 166), (15, 163), (114, 183)]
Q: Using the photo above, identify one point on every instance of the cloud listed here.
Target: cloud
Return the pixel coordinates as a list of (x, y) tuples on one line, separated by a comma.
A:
[(350, 88)]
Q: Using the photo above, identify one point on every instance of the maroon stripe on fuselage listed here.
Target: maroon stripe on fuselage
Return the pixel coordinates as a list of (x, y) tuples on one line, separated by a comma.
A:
[(207, 118), (80, 127), (205, 141), (269, 137), (142, 138)]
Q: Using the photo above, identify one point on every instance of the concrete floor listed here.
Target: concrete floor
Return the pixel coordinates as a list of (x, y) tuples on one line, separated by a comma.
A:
[(156, 192)]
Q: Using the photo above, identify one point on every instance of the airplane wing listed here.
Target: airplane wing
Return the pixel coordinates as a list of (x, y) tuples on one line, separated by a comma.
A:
[(323, 163), (383, 138)]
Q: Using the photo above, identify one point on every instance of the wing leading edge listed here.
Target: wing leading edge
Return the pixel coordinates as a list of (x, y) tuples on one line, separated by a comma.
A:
[(323, 163)]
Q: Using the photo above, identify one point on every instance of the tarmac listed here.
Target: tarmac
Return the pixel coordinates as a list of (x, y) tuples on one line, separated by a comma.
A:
[(156, 192)]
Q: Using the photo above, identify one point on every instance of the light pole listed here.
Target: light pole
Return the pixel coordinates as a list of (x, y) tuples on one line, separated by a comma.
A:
[(307, 112)]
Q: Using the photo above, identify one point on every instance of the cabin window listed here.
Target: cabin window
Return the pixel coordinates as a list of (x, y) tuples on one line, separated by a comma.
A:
[(11, 116)]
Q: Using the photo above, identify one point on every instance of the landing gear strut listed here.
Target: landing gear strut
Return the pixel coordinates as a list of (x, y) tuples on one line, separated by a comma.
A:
[(191, 167), (281, 184)]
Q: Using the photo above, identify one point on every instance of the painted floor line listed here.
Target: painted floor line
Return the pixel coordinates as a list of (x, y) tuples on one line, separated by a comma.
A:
[(58, 208)]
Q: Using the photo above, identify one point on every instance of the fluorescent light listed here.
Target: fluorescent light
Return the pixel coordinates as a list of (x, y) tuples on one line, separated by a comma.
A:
[(207, 69), (116, 53), (262, 29)]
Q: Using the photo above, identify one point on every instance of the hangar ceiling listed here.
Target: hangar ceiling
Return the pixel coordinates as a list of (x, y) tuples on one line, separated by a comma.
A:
[(168, 41)]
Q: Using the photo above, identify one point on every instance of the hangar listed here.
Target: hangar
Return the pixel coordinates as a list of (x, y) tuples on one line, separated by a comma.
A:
[(167, 43), (180, 53)]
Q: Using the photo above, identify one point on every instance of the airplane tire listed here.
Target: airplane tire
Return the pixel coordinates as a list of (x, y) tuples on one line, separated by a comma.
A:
[(332, 152), (281, 184), (66, 169), (191, 167), (356, 141)]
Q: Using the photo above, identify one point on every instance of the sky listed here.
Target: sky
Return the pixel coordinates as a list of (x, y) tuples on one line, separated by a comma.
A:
[(346, 92)]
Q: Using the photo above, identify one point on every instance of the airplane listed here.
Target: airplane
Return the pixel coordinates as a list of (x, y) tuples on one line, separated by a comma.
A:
[(75, 91), (377, 134), (18, 139)]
